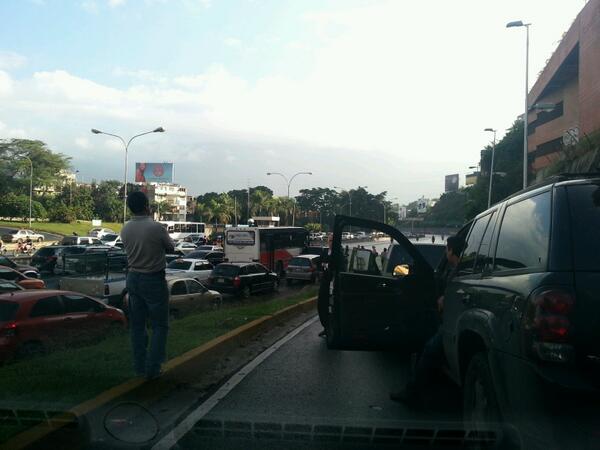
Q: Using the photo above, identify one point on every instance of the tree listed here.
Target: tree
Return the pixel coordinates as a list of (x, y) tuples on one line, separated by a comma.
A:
[(312, 227), (450, 209), (108, 206)]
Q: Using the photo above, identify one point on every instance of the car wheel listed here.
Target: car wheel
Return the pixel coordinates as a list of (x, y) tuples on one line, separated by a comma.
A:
[(480, 405), (246, 292), (217, 303), (31, 349), (40, 239), (279, 269)]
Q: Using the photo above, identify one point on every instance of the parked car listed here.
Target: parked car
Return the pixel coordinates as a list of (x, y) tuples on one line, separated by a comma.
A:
[(521, 322), (199, 269), (214, 257), (185, 247), (303, 268), (242, 279), (101, 232), (80, 240), (9, 286), (346, 235), (322, 251), (360, 235), (21, 236), (33, 322), (25, 269), (112, 240), (187, 296), (91, 259), (6, 273)]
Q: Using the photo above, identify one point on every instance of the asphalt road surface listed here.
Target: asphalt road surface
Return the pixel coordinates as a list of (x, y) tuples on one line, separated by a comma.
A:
[(303, 395)]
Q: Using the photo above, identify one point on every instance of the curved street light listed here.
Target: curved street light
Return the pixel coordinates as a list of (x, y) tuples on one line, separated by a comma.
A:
[(289, 182), (126, 146)]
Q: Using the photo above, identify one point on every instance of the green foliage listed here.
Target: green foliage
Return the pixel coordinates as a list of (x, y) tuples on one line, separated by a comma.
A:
[(61, 213), (108, 205), (450, 209), (312, 227)]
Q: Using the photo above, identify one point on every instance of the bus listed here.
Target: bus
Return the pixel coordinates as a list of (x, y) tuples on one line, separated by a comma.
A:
[(271, 246), (180, 230)]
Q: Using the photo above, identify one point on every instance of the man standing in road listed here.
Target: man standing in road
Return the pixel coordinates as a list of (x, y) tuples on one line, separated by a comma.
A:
[(432, 358), (146, 243)]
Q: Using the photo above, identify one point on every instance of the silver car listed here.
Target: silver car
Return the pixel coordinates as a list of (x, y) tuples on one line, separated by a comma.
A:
[(303, 268)]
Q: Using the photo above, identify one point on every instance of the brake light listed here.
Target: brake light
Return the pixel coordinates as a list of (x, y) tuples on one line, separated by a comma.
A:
[(237, 281), (9, 330), (548, 323)]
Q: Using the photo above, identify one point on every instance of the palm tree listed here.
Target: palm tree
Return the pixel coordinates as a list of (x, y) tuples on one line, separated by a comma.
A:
[(259, 200)]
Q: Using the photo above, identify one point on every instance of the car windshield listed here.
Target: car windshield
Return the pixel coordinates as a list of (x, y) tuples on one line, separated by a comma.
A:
[(179, 265), (393, 206)]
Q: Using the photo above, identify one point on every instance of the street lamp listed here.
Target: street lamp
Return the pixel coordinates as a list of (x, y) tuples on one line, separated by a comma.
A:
[(126, 145), (518, 24), (30, 185), (491, 166), (289, 182)]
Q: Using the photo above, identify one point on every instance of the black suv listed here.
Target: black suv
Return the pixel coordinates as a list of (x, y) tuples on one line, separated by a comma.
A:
[(242, 279), (521, 322)]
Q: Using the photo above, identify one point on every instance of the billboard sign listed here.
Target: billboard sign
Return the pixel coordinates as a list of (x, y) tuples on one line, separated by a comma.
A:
[(153, 172), (451, 183)]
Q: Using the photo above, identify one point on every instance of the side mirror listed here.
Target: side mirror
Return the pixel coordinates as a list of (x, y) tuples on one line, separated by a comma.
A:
[(401, 270)]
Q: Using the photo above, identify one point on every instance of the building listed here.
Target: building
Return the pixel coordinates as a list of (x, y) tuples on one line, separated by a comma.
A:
[(402, 212), (471, 178), (171, 200), (266, 221), (563, 103)]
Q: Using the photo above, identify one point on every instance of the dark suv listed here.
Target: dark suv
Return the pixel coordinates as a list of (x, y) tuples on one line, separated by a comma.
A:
[(521, 322), (242, 279)]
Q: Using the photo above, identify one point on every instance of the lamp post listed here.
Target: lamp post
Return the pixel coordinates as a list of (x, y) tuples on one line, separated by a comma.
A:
[(491, 166), (517, 24), (30, 185), (126, 146), (289, 182)]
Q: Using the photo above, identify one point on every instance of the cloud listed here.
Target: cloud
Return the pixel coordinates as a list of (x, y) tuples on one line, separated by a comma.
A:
[(115, 3), (83, 142), (6, 83), (8, 133), (11, 60), (90, 6), (232, 42)]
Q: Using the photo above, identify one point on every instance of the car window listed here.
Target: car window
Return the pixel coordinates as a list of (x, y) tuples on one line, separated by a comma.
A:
[(303, 262), (48, 306), (226, 270), (179, 264), (585, 218), (467, 260), (482, 259), (524, 234), (78, 303), (194, 287), (178, 288), (6, 286), (10, 275)]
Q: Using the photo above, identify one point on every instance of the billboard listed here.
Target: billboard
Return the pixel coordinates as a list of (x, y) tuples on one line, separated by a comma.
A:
[(153, 172), (451, 182)]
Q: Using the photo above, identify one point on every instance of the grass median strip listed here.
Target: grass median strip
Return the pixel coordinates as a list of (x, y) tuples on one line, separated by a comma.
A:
[(67, 377)]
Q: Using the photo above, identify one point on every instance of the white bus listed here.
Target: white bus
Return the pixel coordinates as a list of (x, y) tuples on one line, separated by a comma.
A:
[(180, 230), (271, 246)]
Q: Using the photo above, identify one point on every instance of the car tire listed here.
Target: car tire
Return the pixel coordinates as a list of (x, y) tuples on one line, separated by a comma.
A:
[(275, 286), (480, 404), (40, 239), (217, 303), (279, 269), (31, 349), (245, 292)]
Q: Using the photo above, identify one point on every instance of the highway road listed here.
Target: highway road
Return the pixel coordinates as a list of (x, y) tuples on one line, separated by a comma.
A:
[(301, 395)]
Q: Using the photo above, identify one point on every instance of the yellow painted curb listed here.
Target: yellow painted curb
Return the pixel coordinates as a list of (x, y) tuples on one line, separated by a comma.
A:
[(178, 365)]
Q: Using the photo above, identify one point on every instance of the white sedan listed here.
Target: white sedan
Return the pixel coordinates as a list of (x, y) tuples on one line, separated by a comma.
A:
[(185, 247), (199, 269)]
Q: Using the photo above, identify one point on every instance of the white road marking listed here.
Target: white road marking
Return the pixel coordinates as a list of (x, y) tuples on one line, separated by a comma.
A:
[(171, 438)]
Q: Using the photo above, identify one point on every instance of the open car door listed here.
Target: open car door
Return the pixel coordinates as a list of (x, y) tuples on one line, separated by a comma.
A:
[(382, 291)]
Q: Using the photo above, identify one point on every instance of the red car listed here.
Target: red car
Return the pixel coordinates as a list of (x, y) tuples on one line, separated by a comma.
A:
[(6, 273), (34, 321)]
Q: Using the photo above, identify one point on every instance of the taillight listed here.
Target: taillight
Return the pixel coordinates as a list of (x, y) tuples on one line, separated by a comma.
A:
[(548, 325), (9, 330), (237, 281)]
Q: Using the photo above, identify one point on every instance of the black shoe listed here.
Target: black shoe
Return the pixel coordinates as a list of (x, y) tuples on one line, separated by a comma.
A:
[(323, 333)]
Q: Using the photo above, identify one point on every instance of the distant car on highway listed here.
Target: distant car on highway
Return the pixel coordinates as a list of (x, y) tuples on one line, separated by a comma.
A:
[(242, 279), (199, 269), (25, 269), (6, 273), (209, 248), (347, 236), (33, 322), (185, 247), (101, 232), (361, 235), (20, 236)]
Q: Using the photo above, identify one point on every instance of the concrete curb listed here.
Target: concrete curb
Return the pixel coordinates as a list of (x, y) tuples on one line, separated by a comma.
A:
[(182, 368)]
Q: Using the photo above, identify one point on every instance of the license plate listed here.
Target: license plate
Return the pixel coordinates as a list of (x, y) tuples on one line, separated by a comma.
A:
[(220, 280)]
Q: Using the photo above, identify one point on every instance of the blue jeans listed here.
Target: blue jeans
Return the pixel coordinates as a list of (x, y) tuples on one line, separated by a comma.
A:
[(148, 299)]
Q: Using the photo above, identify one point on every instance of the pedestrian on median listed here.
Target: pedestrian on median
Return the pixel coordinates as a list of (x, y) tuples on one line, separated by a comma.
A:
[(146, 242), (432, 358), (433, 239)]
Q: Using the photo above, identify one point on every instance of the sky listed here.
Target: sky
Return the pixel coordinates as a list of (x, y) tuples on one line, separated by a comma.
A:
[(388, 94)]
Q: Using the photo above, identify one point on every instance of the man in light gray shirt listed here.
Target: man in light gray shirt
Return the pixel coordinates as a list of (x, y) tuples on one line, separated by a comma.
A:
[(146, 243)]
